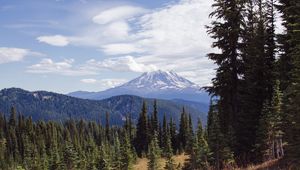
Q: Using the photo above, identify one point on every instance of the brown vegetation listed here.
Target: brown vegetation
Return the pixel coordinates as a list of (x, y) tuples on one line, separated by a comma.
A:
[(141, 163)]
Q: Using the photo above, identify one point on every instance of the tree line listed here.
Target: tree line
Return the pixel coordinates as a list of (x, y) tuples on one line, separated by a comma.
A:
[(255, 112), (25, 144)]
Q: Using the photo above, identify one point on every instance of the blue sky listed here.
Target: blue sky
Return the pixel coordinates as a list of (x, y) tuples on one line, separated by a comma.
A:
[(92, 45)]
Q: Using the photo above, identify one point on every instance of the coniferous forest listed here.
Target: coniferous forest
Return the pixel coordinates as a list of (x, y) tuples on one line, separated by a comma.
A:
[(254, 114)]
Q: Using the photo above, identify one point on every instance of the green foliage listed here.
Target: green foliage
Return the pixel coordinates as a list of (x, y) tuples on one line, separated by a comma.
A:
[(154, 153), (184, 130), (127, 155), (83, 145), (290, 76), (168, 152), (200, 152), (142, 132), (221, 153)]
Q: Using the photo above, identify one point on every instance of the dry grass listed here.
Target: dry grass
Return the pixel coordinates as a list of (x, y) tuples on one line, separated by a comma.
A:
[(276, 164), (141, 163)]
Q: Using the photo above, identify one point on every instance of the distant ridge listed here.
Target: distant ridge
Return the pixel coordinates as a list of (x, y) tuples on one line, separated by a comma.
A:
[(43, 105)]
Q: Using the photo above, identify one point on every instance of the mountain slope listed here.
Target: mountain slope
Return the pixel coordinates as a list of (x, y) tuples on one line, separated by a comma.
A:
[(42, 105), (157, 84)]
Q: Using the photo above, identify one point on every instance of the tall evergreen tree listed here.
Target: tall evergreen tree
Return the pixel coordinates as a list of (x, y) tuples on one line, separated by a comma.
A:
[(227, 29), (154, 153), (127, 156), (189, 136), (183, 130), (270, 134), (105, 162), (290, 71), (172, 127), (168, 152), (107, 133), (164, 133), (155, 117), (199, 156), (142, 132), (221, 153)]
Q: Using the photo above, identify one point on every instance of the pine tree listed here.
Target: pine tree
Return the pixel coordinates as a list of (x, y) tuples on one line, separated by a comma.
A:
[(164, 133), (12, 141), (183, 130), (70, 156), (2, 153), (201, 148), (107, 133), (263, 138), (127, 156), (221, 153), (269, 136), (290, 71), (199, 156), (168, 152), (142, 132), (227, 29), (189, 136), (105, 161), (92, 153), (117, 160), (154, 154), (129, 126), (172, 127), (155, 117)]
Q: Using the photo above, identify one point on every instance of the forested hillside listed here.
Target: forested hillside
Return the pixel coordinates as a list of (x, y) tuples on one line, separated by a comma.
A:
[(42, 105), (25, 144)]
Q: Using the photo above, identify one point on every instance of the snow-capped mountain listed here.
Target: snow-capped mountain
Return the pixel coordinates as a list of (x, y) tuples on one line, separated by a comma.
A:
[(160, 80), (157, 84)]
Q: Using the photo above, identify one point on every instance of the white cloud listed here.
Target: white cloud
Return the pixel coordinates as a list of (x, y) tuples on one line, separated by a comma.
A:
[(117, 13), (55, 40), (65, 67), (126, 63), (121, 48), (105, 83), (177, 29), (116, 30), (109, 83), (8, 55), (172, 37), (88, 81)]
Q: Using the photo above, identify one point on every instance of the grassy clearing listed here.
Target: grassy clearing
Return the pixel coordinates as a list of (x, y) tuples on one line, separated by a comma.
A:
[(141, 163)]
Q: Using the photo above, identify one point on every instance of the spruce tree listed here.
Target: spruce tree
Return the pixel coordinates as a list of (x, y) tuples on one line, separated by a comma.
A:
[(70, 156), (172, 127), (117, 159), (183, 130), (154, 153), (270, 133), (142, 132), (155, 117), (226, 29), (290, 71), (107, 133), (164, 133), (189, 136), (199, 156), (168, 152), (127, 156), (263, 138), (221, 153), (105, 161)]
